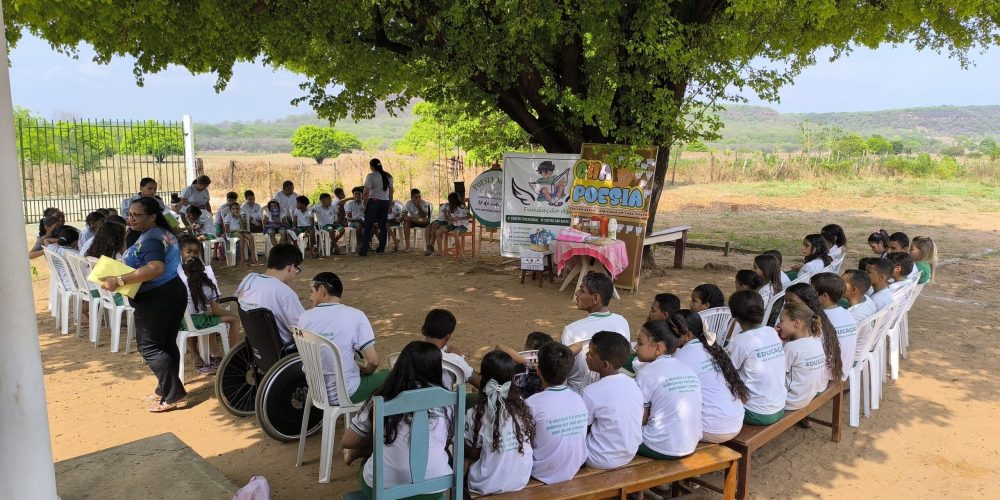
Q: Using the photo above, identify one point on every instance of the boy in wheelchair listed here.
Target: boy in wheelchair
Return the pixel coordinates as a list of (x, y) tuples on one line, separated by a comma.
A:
[(270, 290)]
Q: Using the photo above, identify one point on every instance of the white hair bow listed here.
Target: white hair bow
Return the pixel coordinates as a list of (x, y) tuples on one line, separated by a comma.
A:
[(496, 394)]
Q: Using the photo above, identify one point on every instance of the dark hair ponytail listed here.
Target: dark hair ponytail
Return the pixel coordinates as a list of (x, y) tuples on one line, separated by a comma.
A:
[(151, 206), (818, 249), (750, 279), (831, 344), (377, 165), (197, 280), (667, 332), (720, 359)]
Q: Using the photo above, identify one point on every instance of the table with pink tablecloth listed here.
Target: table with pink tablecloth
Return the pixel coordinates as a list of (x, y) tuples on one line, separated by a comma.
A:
[(613, 257)]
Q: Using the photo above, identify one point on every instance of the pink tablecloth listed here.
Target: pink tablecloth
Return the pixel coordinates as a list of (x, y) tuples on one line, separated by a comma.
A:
[(614, 257)]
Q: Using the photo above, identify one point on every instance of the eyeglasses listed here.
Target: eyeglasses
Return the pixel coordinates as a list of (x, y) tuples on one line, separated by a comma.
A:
[(133, 216)]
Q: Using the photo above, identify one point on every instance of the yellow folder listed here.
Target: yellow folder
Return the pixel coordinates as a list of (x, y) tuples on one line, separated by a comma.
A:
[(107, 266)]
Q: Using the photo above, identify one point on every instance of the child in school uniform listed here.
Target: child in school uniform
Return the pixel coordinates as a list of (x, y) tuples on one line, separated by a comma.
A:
[(614, 404), (438, 327), (747, 279), (671, 393), (560, 417), (924, 253), (663, 305), (593, 296), (722, 391), (234, 227), (816, 255), (830, 289), (200, 223), (879, 242), (418, 366), (706, 296), (758, 356), (220, 216), (805, 362), (203, 306), (880, 270), (769, 267), (499, 431), (898, 242), (253, 212), (328, 220), (835, 238), (302, 218), (804, 293), (785, 280), (860, 305), (902, 271)]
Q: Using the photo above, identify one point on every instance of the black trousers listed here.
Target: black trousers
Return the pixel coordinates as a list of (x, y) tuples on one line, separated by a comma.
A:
[(376, 212), (158, 315)]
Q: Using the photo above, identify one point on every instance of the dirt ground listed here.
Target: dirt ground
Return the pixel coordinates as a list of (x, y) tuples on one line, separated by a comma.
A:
[(933, 436)]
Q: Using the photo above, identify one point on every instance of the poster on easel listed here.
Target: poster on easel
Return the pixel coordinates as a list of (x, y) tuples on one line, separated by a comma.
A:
[(536, 189), (615, 182)]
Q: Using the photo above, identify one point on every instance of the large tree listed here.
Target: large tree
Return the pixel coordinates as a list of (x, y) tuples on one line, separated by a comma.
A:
[(567, 72)]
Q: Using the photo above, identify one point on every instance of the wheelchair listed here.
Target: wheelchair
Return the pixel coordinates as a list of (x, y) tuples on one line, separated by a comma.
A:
[(262, 376)]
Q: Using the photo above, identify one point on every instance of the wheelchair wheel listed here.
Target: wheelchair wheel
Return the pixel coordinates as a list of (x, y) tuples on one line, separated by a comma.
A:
[(236, 381), (281, 398)]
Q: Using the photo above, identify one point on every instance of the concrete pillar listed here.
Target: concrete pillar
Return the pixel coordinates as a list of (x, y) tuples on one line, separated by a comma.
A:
[(26, 469), (189, 162)]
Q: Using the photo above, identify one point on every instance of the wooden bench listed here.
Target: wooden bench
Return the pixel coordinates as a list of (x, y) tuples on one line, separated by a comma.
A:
[(673, 234), (640, 474), (753, 437)]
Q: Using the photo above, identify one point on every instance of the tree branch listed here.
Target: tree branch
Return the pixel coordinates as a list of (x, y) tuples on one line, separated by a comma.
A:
[(381, 39)]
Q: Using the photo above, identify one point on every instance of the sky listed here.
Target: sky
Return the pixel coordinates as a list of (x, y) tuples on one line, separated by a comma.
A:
[(55, 85)]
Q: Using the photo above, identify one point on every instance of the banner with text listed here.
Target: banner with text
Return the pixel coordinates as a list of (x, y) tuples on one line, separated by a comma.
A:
[(535, 199), (486, 198)]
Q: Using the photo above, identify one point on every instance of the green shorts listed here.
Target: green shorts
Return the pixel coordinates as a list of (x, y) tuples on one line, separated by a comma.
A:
[(218, 229), (368, 385), (452, 228), (118, 298), (208, 237), (302, 229), (649, 452), (202, 321), (751, 418), (335, 227)]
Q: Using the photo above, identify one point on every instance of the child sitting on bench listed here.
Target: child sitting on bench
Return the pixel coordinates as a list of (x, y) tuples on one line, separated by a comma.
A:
[(671, 393), (759, 358), (560, 419), (830, 289), (614, 404), (805, 362), (499, 430), (525, 376), (804, 293)]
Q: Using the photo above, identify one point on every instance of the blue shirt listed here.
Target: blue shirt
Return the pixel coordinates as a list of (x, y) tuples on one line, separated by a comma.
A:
[(155, 244)]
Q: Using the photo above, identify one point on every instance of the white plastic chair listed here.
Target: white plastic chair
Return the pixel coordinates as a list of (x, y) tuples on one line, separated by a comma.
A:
[(80, 268), (900, 302), (904, 325), (66, 292), (311, 348), (208, 250), (350, 239), (769, 307), (860, 378), (203, 335), (115, 313), (834, 267), (448, 366), (718, 320)]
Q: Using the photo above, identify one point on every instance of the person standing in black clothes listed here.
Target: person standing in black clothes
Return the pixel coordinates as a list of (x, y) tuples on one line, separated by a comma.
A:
[(377, 197)]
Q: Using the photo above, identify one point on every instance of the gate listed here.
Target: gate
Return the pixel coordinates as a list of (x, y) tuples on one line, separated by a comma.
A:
[(81, 165)]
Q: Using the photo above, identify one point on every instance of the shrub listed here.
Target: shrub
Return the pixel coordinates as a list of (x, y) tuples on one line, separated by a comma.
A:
[(321, 188), (947, 168)]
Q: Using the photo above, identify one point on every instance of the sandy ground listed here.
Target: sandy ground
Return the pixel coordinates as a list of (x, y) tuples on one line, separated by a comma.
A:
[(934, 435)]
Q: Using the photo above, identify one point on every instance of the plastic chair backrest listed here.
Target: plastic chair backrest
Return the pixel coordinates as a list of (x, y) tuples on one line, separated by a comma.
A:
[(867, 334), (311, 346), (59, 267), (777, 299), (80, 269), (262, 336), (392, 359), (717, 320), (418, 402), (834, 267)]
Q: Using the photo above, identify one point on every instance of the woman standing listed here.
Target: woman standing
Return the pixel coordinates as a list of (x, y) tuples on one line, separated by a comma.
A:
[(160, 302), (378, 199)]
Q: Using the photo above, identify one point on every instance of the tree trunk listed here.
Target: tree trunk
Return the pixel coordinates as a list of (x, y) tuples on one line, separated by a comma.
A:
[(659, 174)]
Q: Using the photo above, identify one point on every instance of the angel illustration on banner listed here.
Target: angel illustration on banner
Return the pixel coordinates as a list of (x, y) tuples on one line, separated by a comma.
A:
[(548, 187)]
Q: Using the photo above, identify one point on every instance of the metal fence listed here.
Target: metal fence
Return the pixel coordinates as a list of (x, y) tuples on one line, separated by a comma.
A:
[(81, 165)]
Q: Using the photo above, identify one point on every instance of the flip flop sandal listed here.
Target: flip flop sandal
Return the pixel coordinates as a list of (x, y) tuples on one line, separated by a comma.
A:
[(152, 398), (165, 407)]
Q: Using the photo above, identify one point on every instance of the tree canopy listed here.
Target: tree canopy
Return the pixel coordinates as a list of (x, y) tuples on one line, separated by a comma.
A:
[(153, 139), (484, 137), (320, 143), (638, 72)]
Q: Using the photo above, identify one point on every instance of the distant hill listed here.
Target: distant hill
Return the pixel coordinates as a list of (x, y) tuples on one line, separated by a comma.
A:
[(746, 128), (274, 136), (757, 127)]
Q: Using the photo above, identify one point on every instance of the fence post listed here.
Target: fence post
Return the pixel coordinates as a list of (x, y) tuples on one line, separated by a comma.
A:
[(26, 469), (189, 149), (232, 175)]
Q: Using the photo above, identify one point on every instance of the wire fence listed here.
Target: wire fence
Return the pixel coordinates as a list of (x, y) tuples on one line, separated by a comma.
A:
[(81, 165)]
